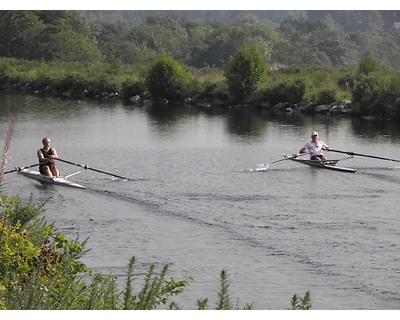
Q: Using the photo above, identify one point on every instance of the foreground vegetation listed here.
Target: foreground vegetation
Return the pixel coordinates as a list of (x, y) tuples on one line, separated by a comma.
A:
[(40, 269)]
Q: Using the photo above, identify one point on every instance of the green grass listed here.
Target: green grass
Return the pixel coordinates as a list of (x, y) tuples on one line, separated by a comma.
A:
[(94, 79)]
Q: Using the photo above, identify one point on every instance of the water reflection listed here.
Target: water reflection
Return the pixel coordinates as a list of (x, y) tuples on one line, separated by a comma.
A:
[(167, 114), (245, 123), (37, 106), (239, 122), (376, 129)]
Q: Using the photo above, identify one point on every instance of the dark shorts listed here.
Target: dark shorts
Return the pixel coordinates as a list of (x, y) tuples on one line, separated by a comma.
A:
[(315, 157), (41, 168)]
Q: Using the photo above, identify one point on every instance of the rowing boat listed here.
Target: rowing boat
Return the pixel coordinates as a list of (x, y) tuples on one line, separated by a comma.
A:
[(323, 164), (51, 180)]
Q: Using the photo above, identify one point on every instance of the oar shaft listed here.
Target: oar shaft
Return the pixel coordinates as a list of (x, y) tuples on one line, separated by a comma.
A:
[(87, 167), (363, 155), (286, 158), (18, 169)]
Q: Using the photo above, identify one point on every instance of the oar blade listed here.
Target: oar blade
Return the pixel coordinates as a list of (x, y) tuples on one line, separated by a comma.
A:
[(262, 167), (265, 166)]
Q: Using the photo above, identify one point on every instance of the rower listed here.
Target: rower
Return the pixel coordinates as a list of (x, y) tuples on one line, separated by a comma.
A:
[(315, 147), (46, 156)]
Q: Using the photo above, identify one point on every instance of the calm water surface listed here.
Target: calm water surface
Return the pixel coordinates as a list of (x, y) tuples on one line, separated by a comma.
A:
[(196, 201)]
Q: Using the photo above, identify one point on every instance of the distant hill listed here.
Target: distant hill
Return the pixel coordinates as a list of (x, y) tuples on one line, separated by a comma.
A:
[(349, 20), (200, 16)]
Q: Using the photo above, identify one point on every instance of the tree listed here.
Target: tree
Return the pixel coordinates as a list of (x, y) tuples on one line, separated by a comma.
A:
[(165, 78), (244, 71), (49, 35), (367, 65), (224, 41), (18, 34)]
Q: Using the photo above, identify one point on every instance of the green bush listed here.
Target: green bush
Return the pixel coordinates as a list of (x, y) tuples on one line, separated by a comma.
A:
[(286, 92), (244, 71), (326, 96), (367, 65), (165, 79), (132, 88), (215, 90), (378, 94)]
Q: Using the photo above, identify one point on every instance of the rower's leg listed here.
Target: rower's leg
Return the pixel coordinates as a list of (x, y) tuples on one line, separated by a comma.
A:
[(47, 171), (54, 171)]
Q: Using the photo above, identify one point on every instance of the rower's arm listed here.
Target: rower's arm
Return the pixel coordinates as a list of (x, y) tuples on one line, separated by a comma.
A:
[(54, 155), (40, 156)]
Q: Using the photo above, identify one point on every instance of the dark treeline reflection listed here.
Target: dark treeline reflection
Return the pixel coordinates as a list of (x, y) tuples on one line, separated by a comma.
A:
[(376, 129)]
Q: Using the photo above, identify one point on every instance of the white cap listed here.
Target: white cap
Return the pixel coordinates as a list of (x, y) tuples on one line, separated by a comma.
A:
[(315, 133)]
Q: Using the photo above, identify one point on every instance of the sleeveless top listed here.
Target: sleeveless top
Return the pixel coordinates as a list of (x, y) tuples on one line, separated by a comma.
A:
[(46, 154)]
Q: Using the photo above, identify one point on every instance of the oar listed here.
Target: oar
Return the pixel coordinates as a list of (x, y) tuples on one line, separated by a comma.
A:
[(18, 168), (266, 165), (363, 155), (86, 167)]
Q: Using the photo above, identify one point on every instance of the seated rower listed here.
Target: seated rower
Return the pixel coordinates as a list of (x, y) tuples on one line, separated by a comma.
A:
[(46, 156), (315, 148)]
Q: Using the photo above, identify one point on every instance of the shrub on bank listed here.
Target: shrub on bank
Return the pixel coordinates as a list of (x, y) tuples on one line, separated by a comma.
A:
[(292, 92), (165, 79), (376, 93), (244, 71), (326, 96)]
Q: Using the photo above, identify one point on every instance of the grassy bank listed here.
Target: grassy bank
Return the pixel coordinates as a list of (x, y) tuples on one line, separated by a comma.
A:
[(374, 90), (96, 79)]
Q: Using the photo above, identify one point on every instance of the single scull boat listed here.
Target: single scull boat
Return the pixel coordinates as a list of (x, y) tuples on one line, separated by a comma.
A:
[(327, 164), (63, 181), (51, 180)]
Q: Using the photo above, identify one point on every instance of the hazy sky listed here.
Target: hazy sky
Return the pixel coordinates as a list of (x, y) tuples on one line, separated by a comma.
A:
[(198, 5)]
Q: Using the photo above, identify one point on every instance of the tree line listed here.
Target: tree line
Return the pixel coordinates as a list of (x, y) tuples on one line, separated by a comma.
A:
[(317, 39)]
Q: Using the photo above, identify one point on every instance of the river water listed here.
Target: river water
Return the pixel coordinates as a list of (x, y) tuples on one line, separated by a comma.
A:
[(196, 200)]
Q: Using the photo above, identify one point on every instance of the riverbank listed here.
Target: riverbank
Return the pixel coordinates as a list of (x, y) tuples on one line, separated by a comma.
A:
[(334, 92), (339, 107)]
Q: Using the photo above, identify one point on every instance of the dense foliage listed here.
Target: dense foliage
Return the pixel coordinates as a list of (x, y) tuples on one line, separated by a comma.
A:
[(165, 79), (314, 39), (49, 35), (244, 71)]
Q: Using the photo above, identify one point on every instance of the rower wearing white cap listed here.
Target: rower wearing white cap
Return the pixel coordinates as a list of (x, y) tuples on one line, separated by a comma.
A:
[(315, 147)]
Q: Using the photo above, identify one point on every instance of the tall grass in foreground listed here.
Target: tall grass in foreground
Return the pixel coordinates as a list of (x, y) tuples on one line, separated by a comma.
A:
[(7, 143)]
